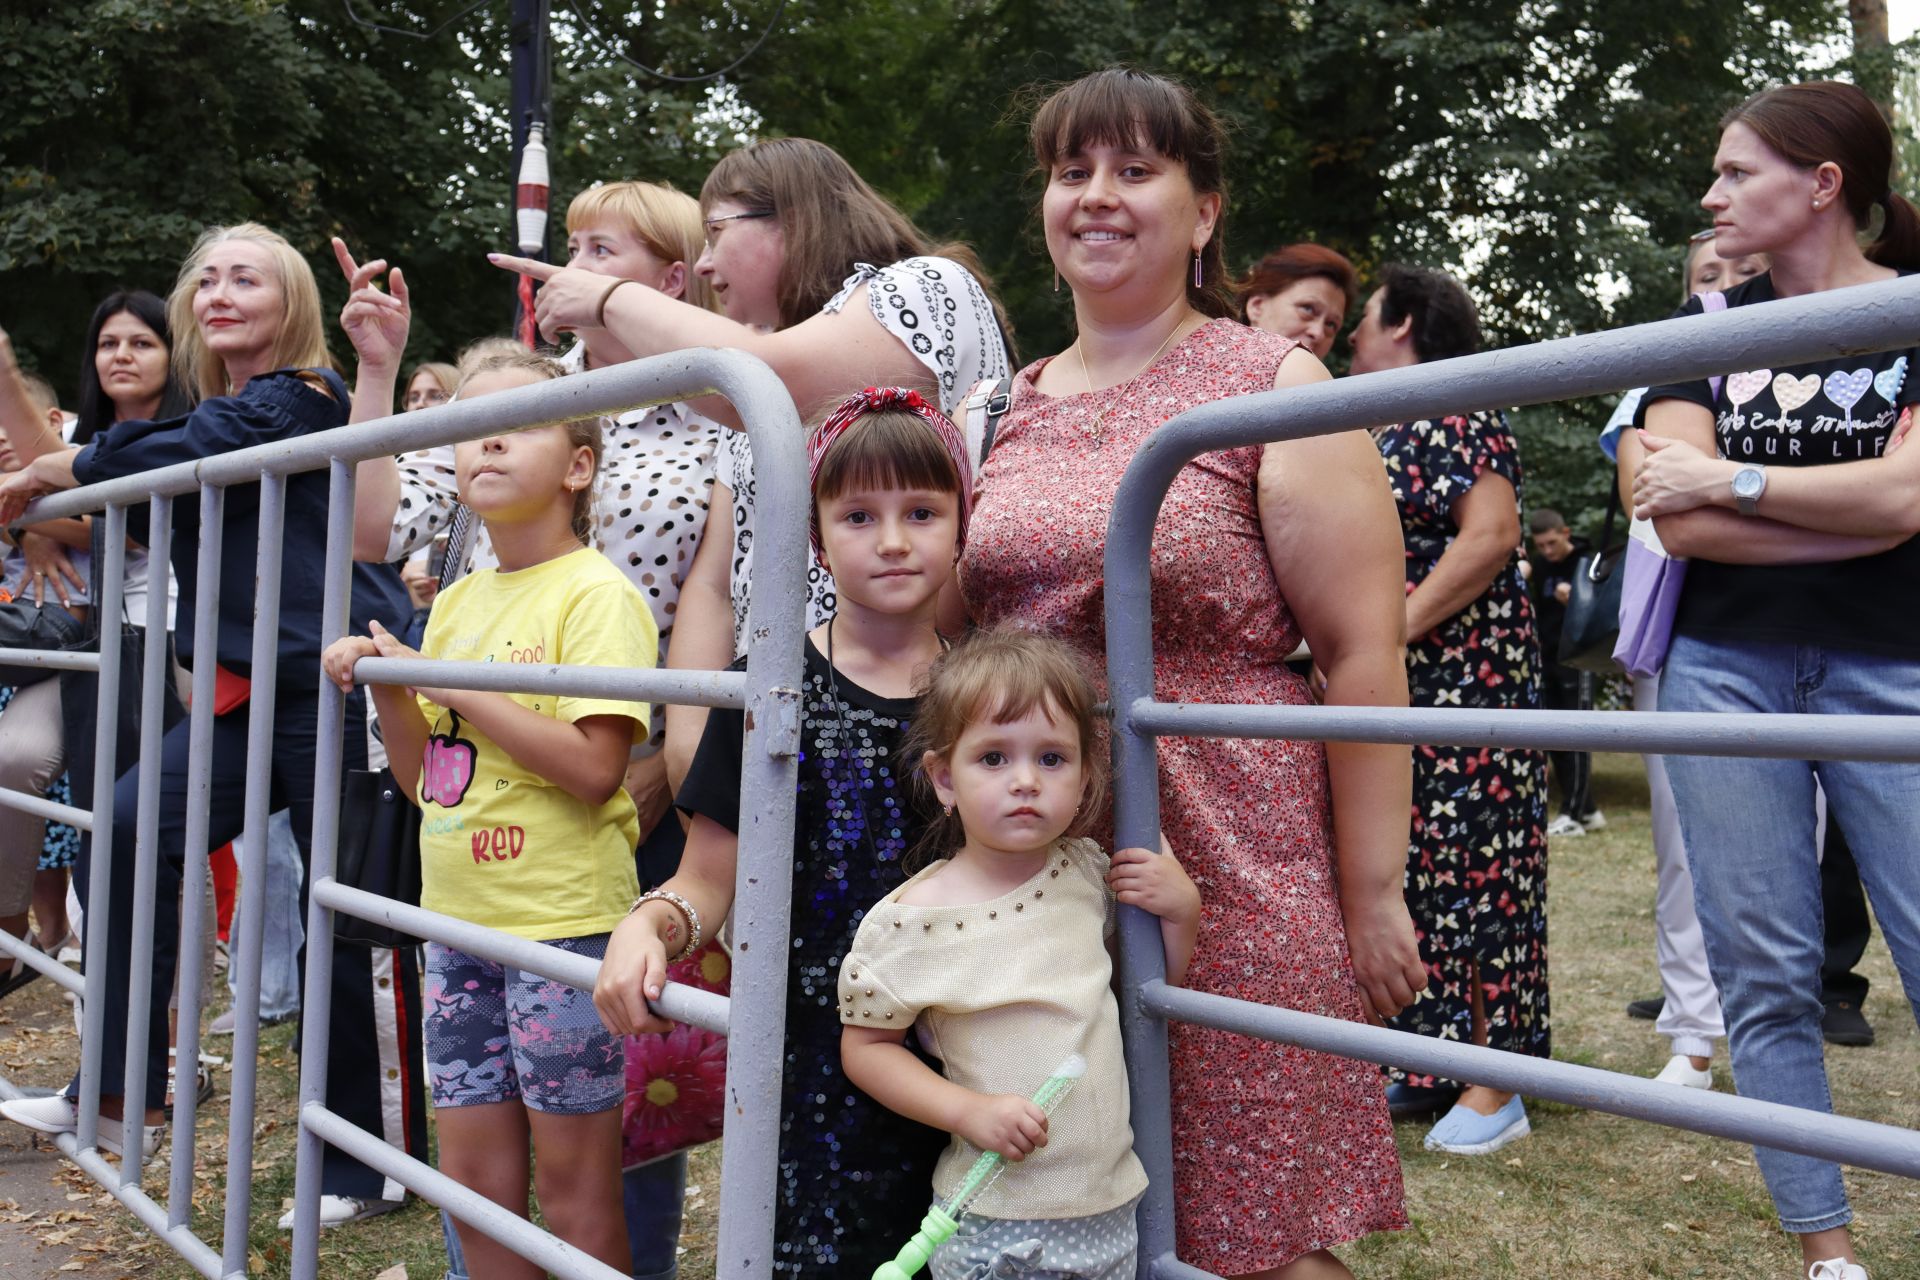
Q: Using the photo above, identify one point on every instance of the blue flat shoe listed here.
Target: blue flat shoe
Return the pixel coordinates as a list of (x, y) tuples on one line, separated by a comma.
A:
[(1465, 1132)]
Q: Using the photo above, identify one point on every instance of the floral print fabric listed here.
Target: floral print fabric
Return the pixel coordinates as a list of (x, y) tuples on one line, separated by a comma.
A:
[(1477, 857), (1277, 1151)]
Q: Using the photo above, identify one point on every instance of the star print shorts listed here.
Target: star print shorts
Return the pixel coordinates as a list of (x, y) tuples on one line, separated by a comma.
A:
[(1100, 1247), (497, 1034)]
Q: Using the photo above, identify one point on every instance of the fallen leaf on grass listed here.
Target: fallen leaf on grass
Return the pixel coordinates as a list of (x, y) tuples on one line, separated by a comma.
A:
[(1669, 1226), (393, 1273), (1689, 1177), (1514, 1163)]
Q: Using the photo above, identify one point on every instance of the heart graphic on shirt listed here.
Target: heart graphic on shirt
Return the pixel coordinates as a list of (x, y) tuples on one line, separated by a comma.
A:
[(1742, 387), (1889, 381), (1791, 392), (1845, 389)]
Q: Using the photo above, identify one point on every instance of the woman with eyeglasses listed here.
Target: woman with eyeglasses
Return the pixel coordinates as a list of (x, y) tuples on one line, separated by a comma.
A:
[(821, 277)]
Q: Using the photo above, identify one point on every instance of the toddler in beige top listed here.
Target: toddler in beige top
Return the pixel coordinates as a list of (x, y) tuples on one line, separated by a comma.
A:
[(997, 957)]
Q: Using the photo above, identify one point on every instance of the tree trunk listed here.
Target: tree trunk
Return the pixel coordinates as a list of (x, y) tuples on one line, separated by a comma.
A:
[(1872, 51)]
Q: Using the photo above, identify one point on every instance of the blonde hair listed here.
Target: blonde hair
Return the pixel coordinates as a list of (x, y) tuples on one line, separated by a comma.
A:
[(487, 356), (1001, 675), (664, 219), (444, 375), (302, 341)]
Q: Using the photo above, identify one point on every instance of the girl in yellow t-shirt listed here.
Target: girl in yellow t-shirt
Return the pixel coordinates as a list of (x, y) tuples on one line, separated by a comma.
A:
[(525, 828), (996, 958)]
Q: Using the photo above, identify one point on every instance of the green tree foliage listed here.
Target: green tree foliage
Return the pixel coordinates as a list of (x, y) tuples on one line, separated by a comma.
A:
[(1551, 154), (128, 125)]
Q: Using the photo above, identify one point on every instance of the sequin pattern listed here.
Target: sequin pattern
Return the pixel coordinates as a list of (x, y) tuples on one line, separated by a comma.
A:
[(1277, 1151), (852, 1173)]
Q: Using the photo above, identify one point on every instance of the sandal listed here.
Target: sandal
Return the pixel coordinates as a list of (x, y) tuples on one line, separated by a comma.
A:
[(203, 1081)]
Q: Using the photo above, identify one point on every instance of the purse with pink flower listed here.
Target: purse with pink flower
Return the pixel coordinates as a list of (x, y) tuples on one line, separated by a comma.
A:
[(677, 1082)]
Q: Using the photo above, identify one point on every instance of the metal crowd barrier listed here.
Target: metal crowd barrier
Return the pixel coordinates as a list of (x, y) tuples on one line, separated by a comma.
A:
[(1870, 318), (768, 690), (1843, 322)]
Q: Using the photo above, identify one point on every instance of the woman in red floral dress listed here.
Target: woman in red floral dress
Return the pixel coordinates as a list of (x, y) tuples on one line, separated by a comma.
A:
[(1279, 1153)]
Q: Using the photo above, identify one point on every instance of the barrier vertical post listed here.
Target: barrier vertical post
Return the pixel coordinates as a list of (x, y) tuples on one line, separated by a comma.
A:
[(253, 873), (111, 577), (206, 641), (146, 852), (1136, 814), (311, 1151), (756, 1028)]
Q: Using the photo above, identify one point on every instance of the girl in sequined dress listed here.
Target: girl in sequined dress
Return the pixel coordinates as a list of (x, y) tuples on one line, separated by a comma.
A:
[(891, 488), (996, 958)]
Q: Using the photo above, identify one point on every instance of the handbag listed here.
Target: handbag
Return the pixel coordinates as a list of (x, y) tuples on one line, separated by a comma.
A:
[(379, 852), (80, 693), (1652, 580), (1592, 624), (677, 1082), (25, 625)]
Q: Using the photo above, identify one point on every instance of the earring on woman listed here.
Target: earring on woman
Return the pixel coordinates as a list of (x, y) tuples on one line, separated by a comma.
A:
[(1199, 272), (947, 809), (1056, 279)]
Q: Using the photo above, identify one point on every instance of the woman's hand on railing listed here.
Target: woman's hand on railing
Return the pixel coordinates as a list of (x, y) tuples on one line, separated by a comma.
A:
[(634, 971), (376, 321), (46, 474)]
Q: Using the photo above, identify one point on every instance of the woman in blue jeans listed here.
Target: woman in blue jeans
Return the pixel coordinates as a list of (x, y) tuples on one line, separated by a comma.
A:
[(1793, 497)]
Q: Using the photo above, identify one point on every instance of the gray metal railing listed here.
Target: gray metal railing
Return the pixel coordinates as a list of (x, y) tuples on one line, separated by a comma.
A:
[(768, 690), (1856, 320), (1841, 322)]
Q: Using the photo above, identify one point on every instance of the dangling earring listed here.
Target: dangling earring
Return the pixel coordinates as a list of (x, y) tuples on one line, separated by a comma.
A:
[(1199, 272), (1056, 279), (948, 809)]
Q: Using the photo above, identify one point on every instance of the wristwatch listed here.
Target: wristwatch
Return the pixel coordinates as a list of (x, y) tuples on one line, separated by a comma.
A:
[(1748, 484)]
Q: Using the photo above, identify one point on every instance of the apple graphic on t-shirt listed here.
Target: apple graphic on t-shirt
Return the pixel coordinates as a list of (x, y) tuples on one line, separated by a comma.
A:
[(446, 767)]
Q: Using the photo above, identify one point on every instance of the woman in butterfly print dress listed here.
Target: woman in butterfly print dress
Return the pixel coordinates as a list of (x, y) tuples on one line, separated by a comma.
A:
[(1477, 862)]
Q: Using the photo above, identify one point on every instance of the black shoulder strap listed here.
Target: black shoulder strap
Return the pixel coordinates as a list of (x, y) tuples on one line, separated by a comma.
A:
[(997, 405)]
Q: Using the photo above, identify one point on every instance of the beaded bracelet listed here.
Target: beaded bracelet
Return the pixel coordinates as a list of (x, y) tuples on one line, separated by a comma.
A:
[(685, 908)]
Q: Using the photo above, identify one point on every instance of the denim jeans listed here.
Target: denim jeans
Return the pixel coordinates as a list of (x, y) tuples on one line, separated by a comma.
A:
[(652, 1194), (286, 930), (1749, 827)]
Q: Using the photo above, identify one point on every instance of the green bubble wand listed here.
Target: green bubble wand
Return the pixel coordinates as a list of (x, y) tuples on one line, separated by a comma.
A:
[(943, 1220)]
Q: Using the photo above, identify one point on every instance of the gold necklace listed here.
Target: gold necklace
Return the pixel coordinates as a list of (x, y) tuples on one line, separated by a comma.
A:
[(1112, 399)]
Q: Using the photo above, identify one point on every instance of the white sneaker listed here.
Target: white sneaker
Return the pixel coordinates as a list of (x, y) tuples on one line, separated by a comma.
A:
[(1680, 1071), (1566, 825), (1836, 1269), (338, 1210), (1595, 821), (59, 1114)]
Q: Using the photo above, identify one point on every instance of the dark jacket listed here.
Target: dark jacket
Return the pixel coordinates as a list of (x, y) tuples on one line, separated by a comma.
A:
[(273, 406)]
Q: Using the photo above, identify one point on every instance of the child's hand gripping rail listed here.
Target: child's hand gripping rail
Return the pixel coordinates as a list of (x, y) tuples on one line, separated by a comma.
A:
[(943, 1220)]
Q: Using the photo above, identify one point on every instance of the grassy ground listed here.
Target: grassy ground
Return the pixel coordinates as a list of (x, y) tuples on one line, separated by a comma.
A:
[(1587, 1195)]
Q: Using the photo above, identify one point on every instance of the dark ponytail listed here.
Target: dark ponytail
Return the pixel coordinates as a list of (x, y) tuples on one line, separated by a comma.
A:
[(1827, 122)]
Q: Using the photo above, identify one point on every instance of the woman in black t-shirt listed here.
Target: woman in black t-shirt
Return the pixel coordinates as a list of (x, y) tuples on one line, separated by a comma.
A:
[(1791, 493)]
